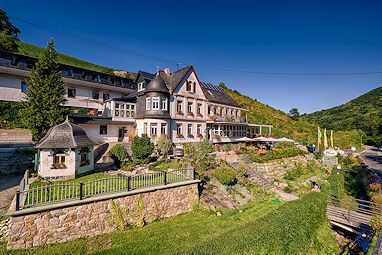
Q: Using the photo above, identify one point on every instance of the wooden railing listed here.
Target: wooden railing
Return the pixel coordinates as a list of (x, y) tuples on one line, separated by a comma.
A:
[(59, 192)]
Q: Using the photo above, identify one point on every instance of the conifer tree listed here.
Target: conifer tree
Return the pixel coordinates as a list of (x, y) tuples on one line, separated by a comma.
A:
[(45, 96), (8, 33)]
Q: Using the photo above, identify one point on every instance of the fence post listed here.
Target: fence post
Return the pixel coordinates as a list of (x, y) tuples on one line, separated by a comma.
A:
[(17, 200), (164, 178), (193, 174), (128, 183), (26, 176), (81, 189)]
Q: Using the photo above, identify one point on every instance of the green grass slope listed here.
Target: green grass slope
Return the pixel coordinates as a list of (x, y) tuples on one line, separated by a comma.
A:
[(35, 51), (300, 130), (364, 113)]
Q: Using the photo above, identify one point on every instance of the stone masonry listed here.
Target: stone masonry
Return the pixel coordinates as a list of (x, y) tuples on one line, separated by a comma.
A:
[(70, 223)]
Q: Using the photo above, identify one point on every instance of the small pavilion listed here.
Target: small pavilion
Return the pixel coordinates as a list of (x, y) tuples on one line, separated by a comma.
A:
[(65, 152)]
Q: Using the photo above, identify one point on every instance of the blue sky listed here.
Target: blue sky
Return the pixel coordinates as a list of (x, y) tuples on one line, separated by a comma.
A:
[(269, 36)]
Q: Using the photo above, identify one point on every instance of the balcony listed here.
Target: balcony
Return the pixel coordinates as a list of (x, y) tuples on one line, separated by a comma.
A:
[(227, 118)]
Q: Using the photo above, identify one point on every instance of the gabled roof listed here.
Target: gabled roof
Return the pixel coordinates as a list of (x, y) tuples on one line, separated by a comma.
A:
[(144, 75), (216, 94), (65, 135), (175, 78)]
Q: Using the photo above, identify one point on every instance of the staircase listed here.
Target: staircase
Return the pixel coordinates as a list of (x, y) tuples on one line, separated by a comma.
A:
[(101, 153)]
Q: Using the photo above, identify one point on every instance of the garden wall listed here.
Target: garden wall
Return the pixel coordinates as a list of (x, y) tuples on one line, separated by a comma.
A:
[(70, 223)]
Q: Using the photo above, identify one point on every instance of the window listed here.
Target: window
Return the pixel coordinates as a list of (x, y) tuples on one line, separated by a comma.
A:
[(179, 106), (189, 130), (194, 87), (163, 129), (84, 156), (164, 104), (141, 86), (189, 86), (24, 87), (132, 110), (179, 130), (189, 107), (199, 129), (116, 112), (148, 103), (71, 92), (209, 110), (155, 103), (106, 96), (215, 110), (58, 162), (154, 129), (103, 130), (95, 95), (145, 128), (199, 109)]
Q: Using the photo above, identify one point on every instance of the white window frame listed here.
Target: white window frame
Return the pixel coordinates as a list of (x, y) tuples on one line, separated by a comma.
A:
[(153, 126), (148, 103), (164, 104), (155, 103), (190, 106), (189, 129), (179, 129), (141, 86), (163, 127)]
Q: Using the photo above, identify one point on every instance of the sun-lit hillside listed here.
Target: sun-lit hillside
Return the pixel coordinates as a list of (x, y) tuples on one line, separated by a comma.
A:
[(300, 130)]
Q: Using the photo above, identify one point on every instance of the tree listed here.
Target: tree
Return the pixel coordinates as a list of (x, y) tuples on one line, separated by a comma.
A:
[(142, 148), (199, 155), (164, 145), (294, 113), (118, 153), (45, 98), (8, 33)]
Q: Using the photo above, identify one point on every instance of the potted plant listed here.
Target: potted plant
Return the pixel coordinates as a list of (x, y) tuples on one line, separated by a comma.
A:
[(179, 136), (190, 136)]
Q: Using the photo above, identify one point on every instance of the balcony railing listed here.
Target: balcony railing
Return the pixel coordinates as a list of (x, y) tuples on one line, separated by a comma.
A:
[(227, 118)]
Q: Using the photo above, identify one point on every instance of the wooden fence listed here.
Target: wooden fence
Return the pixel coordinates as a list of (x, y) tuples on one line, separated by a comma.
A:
[(56, 192)]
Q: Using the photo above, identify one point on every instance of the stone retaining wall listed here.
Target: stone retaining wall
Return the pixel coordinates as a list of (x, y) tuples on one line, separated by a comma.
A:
[(70, 223)]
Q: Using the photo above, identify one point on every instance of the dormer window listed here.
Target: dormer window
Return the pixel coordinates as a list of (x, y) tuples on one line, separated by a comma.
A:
[(141, 86), (155, 103)]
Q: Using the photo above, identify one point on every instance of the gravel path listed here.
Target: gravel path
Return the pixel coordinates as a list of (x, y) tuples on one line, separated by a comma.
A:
[(8, 187)]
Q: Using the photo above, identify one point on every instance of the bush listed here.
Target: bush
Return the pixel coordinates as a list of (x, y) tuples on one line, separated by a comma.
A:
[(164, 145), (118, 153), (128, 166), (285, 145), (142, 148), (276, 153), (199, 155), (225, 175)]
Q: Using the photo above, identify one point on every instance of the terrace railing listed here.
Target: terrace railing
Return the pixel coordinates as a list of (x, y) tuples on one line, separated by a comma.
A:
[(60, 192)]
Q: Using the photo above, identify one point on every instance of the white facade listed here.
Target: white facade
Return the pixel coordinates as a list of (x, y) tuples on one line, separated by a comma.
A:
[(96, 132), (69, 165)]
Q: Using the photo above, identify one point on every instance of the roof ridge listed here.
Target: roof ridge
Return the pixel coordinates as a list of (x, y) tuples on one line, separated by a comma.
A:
[(71, 133)]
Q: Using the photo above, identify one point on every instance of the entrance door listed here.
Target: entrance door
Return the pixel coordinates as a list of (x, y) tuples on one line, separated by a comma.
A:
[(121, 134)]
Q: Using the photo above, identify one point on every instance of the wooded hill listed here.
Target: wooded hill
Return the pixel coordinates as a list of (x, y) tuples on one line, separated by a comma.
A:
[(300, 130), (35, 51), (363, 113)]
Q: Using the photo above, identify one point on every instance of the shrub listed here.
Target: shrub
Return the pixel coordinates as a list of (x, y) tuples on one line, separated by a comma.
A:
[(276, 153), (285, 145), (199, 155), (225, 175), (164, 145), (297, 171), (375, 186), (142, 148), (128, 166), (118, 153)]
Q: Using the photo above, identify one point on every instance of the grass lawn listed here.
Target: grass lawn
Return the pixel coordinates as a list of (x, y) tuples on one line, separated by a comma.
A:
[(166, 236), (105, 183)]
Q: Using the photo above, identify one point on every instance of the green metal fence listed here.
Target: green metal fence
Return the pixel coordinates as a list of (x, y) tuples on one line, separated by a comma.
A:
[(60, 192)]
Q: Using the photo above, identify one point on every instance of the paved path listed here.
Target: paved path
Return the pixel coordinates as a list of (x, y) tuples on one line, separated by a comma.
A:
[(8, 187), (373, 159)]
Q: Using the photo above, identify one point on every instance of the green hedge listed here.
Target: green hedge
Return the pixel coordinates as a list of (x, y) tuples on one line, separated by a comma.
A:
[(276, 153), (225, 175), (294, 228)]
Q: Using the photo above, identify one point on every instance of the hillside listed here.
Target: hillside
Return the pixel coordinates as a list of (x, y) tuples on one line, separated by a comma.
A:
[(35, 51), (364, 113), (300, 130)]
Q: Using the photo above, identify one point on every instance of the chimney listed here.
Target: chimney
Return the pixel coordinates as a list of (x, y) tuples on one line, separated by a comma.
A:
[(167, 71)]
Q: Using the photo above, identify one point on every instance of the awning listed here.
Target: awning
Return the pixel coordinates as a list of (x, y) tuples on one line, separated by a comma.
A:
[(284, 139)]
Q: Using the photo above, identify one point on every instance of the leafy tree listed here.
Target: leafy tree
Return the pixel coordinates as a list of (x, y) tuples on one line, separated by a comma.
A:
[(199, 155), (45, 96), (142, 148), (8, 33), (118, 153), (294, 113), (164, 145)]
